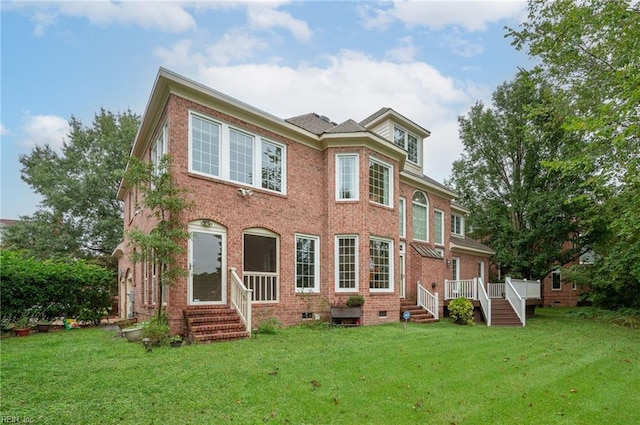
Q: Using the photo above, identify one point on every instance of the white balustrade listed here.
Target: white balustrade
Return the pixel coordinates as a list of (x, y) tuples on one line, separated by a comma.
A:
[(241, 299)]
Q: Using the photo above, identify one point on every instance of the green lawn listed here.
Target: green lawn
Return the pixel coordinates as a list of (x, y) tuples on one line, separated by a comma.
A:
[(557, 370)]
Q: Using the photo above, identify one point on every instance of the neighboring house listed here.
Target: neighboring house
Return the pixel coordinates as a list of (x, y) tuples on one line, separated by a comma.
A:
[(559, 292), (4, 223), (303, 211)]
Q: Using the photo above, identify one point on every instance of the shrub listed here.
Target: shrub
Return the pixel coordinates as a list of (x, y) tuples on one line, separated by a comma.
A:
[(157, 330), (355, 301), (269, 326), (461, 311)]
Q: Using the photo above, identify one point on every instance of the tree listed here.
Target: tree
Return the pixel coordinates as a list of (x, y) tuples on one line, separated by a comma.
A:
[(163, 203), (78, 187), (592, 50), (525, 211)]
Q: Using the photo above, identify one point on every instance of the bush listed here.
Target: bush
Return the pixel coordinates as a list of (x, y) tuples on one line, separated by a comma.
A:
[(461, 311), (157, 330), (269, 326), (68, 287)]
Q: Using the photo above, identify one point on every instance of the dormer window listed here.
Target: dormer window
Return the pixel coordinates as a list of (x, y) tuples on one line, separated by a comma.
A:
[(406, 141)]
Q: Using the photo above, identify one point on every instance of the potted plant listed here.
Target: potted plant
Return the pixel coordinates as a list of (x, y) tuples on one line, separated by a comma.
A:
[(349, 315), (176, 341), (43, 325), (21, 327), (133, 333)]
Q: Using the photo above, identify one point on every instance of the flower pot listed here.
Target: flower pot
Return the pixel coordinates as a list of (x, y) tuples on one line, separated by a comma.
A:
[(176, 344), (43, 327), (133, 333), (21, 331)]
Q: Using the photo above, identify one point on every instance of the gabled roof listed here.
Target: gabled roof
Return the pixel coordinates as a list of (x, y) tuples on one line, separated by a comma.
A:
[(375, 115), (386, 113), (349, 126), (426, 251), (466, 244)]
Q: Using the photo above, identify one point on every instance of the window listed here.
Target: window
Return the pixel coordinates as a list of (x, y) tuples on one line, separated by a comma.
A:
[(481, 270), (261, 264), (347, 263), (420, 216), (218, 150), (205, 146), (154, 277), (455, 268), (457, 225), (159, 149), (402, 207), (556, 283), (380, 186), (380, 265), (307, 263), (272, 156), (346, 177), (438, 227), (408, 142), (145, 282)]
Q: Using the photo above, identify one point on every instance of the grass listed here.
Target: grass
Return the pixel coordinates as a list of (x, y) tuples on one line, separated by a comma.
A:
[(559, 369)]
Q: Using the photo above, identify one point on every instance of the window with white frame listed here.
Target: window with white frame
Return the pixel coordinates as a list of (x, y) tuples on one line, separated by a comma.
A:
[(420, 216), (457, 224), (406, 141), (380, 265), (154, 277), (455, 268), (145, 282), (307, 263), (346, 263), (402, 211), (347, 176), (217, 149), (380, 184), (556, 282), (159, 149), (438, 227)]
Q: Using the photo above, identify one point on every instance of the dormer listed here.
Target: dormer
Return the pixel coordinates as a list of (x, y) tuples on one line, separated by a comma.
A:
[(402, 132)]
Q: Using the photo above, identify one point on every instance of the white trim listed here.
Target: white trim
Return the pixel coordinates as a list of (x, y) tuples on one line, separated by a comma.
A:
[(405, 145), (224, 152), (439, 243), (356, 177), (212, 229), (413, 215), (402, 207), (390, 183), (453, 232), (391, 263), (337, 263), (316, 260), (456, 268), (556, 271)]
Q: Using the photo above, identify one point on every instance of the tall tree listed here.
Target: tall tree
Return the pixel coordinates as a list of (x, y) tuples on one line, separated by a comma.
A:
[(523, 209), (591, 49), (79, 207)]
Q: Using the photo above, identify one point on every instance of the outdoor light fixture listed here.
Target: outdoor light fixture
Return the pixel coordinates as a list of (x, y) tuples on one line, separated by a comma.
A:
[(433, 285), (206, 223), (245, 192), (448, 262)]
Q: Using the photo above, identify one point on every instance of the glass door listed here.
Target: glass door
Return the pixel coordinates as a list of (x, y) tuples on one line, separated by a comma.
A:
[(207, 274)]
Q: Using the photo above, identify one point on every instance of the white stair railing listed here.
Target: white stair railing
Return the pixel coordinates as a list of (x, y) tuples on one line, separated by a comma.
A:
[(527, 288), (485, 301), (241, 299), (427, 300), (517, 302)]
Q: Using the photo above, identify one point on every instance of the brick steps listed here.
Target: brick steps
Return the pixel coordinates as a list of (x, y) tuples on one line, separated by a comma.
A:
[(417, 313), (213, 324), (502, 313)]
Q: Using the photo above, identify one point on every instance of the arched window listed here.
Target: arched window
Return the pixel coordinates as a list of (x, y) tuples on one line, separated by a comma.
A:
[(420, 213)]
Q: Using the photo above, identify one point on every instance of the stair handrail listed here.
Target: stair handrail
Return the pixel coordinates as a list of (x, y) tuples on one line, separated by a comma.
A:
[(241, 299), (428, 301), (517, 302), (485, 301)]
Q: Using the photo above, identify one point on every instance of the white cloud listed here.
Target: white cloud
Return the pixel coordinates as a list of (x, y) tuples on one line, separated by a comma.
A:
[(40, 130), (404, 52), (265, 16), (471, 15), (461, 46), (4, 131), (353, 85)]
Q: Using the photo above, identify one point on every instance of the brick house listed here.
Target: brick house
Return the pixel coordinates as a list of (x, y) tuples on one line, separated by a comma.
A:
[(303, 211)]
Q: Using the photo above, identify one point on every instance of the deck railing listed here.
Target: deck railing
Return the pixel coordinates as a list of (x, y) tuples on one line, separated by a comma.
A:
[(427, 300), (460, 288), (264, 286), (485, 300), (241, 299), (517, 302), (495, 290), (527, 288)]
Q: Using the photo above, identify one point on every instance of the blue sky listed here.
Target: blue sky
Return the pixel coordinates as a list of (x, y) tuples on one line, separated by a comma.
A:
[(429, 60)]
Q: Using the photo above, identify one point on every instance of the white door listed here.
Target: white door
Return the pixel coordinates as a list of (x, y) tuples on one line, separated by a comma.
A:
[(207, 267), (403, 283)]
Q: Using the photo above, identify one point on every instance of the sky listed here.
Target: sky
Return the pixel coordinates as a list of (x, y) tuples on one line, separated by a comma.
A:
[(431, 61)]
